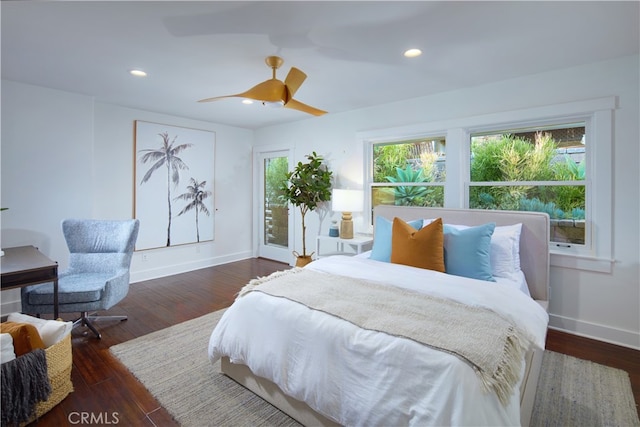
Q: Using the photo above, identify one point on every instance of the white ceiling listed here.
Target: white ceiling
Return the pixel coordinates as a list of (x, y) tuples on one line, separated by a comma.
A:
[(351, 51)]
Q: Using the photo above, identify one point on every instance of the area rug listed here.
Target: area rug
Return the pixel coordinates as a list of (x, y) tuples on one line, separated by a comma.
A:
[(173, 365)]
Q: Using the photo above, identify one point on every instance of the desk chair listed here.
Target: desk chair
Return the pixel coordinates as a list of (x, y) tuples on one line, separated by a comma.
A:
[(98, 273)]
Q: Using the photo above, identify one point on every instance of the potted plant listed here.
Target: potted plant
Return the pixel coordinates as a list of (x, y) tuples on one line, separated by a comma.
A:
[(306, 186)]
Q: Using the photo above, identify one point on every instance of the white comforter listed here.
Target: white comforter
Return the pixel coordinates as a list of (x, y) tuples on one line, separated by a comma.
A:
[(364, 378)]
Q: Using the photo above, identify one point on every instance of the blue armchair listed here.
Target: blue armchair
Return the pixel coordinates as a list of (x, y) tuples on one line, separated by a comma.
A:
[(98, 273)]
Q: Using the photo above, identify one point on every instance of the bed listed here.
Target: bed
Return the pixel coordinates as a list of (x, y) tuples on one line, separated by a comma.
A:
[(344, 367)]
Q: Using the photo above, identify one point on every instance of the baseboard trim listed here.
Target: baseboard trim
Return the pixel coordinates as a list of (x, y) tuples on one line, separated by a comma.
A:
[(595, 331), (170, 270)]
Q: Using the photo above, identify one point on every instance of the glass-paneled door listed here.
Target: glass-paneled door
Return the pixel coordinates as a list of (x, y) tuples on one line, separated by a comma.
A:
[(274, 218)]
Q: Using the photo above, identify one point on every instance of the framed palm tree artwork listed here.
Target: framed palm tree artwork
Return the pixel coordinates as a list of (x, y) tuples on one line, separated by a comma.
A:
[(174, 171)]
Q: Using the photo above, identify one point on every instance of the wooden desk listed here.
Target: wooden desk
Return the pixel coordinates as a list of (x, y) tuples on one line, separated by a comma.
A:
[(26, 265)]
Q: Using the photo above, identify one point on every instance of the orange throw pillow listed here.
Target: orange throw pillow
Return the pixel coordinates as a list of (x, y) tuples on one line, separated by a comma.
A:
[(25, 337), (422, 248)]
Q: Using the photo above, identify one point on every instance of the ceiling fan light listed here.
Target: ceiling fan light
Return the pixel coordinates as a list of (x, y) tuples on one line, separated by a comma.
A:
[(138, 73), (247, 101), (412, 53), (273, 104)]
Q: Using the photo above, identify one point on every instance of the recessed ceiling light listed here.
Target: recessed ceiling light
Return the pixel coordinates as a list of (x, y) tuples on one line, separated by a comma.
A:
[(247, 101), (412, 53), (138, 73)]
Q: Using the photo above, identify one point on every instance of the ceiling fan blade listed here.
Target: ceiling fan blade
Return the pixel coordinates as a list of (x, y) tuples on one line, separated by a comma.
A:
[(272, 90), (297, 105), (294, 79), (215, 98)]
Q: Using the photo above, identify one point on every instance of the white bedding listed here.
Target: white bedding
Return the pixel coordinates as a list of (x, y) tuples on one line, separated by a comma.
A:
[(364, 378)]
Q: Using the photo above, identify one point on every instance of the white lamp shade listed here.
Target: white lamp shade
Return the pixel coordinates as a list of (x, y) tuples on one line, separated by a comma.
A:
[(347, 200)]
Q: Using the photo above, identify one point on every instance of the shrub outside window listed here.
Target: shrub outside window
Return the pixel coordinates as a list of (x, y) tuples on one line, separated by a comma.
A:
[(409, 173), (537, 169)]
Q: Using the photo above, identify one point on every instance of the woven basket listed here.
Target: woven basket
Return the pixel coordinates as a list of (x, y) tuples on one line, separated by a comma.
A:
[(59, 363)]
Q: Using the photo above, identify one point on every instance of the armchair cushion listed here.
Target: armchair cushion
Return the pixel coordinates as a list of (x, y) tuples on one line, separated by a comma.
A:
[(72, 288)]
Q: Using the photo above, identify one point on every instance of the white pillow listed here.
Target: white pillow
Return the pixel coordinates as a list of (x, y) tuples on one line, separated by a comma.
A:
[(51, 331), (6, 348), (506, 239), (427, 221)]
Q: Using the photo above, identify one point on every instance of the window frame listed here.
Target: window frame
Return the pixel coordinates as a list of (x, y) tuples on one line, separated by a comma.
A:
[(576, 249), (371, 183), (597, 114)]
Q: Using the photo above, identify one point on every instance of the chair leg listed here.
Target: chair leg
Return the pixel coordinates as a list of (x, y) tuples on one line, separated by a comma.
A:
[(86, 319), (96, 318)]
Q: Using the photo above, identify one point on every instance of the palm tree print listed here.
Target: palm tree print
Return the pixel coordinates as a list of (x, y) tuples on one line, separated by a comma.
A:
[(167, 156), (195, 195)]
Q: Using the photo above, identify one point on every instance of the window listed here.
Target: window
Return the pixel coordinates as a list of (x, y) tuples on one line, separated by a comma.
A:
[(573, 183), (409, 173), (540, 169)]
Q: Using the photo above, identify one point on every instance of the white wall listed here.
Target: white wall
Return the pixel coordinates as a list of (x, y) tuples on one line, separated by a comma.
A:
[(603, 306), (64, 155)]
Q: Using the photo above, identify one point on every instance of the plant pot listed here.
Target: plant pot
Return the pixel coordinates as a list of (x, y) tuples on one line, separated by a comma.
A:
[(302, 260)]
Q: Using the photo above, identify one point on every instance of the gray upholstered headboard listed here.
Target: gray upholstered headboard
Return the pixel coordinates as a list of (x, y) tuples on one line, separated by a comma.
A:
[(534, 240)]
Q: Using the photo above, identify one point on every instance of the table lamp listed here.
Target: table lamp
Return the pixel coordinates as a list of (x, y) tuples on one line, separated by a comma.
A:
[(346, 201)]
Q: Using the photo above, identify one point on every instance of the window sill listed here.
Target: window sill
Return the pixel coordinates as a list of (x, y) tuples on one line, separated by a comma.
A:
[(581, 262)]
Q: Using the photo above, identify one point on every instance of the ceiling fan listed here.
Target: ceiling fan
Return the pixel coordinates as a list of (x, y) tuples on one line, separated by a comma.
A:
[(274, 91)]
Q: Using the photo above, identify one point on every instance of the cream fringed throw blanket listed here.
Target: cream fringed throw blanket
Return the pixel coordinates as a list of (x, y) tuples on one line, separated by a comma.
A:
[(481, 337)]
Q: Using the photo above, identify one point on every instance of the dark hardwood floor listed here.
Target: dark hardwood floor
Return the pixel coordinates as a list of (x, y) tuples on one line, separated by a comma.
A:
[(107, 394)]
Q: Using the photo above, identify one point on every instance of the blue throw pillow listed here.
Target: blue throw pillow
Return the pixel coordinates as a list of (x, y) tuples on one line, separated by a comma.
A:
[(467, 252), (381, 250)]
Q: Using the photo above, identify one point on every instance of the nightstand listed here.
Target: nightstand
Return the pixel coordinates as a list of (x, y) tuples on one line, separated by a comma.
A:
[(360, 243)]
